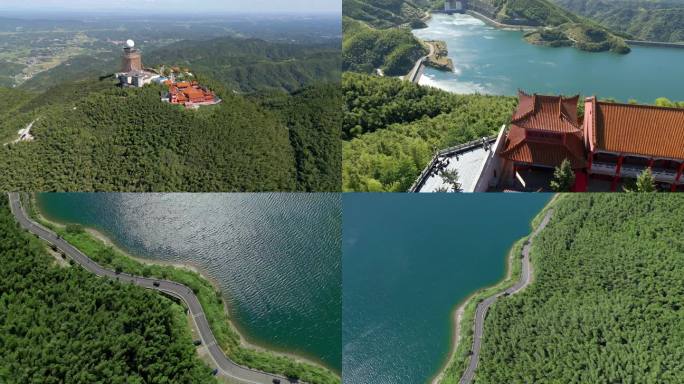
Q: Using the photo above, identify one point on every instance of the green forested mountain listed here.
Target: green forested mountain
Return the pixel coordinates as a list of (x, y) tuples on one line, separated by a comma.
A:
[(13, 101), (392, 128), (561, 27), (245, 65), (377, 35), (60, 324), (606, 303), (653, 20), (94, 136), (89, 135), (254, 65), (393, 50), (314, 115), (388, 13)]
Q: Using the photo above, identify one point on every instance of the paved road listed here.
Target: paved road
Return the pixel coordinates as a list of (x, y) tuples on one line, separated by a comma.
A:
[(225, 365), (413, 76), (483, 307)]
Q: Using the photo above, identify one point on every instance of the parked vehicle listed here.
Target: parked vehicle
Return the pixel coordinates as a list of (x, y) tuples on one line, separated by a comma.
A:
[(156, 283)]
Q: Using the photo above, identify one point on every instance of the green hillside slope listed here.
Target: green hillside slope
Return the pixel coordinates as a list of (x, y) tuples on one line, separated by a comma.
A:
[(62, 324), (393, 127), (560, 27), (393, 50), (649, 20), (387, 13), (106, 138), (250, 65), (377, 35), (606, 301)]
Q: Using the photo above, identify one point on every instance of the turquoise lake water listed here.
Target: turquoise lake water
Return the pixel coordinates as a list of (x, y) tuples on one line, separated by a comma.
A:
[(494, 61), (408, 261), (276, 257)]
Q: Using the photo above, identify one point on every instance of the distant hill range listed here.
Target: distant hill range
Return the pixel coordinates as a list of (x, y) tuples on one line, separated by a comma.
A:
[(651, 20), (557, 26), (245, 65), (389, 13)]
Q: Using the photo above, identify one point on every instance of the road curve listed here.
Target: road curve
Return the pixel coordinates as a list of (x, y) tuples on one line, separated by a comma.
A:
[(483, 306), (225, 366), (413, 76)]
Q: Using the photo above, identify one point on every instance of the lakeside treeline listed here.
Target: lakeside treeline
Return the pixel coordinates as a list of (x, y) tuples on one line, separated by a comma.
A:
[(61, 324), (606, 300), (651, 20), (209, 296)]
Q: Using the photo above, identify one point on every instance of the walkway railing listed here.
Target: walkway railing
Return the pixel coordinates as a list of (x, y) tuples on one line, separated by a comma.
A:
[(458, 149)]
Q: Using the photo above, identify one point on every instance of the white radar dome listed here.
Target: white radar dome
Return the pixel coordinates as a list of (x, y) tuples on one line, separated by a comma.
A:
[(130, 43)]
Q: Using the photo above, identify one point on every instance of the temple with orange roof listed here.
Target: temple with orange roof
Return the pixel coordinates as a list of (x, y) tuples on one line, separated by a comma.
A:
[(544, 131), (623, 139), (610, 144), (189, 94), (613, 141)]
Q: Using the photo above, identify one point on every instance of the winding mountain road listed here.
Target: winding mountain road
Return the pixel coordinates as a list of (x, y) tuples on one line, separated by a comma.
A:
[(225, 366), (413, 76), (483, 306)]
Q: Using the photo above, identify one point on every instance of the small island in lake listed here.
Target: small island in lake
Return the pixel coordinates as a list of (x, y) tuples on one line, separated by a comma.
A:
[(439, 56)]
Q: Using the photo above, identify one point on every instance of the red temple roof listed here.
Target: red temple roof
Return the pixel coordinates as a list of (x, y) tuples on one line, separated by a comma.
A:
[(548, 153), (635, 129), (544, 131), (548, 113)]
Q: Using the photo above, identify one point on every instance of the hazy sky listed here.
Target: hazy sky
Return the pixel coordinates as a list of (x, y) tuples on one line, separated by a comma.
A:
[(179, 6)]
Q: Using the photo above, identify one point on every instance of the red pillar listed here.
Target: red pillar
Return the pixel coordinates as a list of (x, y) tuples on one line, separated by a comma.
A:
[(679, 175), (618, 168)]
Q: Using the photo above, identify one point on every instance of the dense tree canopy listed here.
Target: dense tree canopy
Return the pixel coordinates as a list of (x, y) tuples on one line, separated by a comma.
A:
[(314, 116), (392, 50), (606, 302), (60, 324), (655, 20), (250, 65), (94, 136), (388, 13), (395, 127)]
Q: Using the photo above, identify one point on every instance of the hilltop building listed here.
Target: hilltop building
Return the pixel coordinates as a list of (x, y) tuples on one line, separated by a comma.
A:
[(189, 94), (611, 143), (133, 74), (543, 131)]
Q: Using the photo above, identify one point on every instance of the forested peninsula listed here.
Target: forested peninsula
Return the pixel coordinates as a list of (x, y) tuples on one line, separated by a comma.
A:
[(606, 300), (377, 35)]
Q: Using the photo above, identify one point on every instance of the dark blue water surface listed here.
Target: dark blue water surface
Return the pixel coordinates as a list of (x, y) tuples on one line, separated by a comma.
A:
[(276, 256), (408, 260)]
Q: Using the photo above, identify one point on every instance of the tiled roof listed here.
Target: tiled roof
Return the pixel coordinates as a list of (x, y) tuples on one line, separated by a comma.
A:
[(639, 129), (547, 113), (543, 153)]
